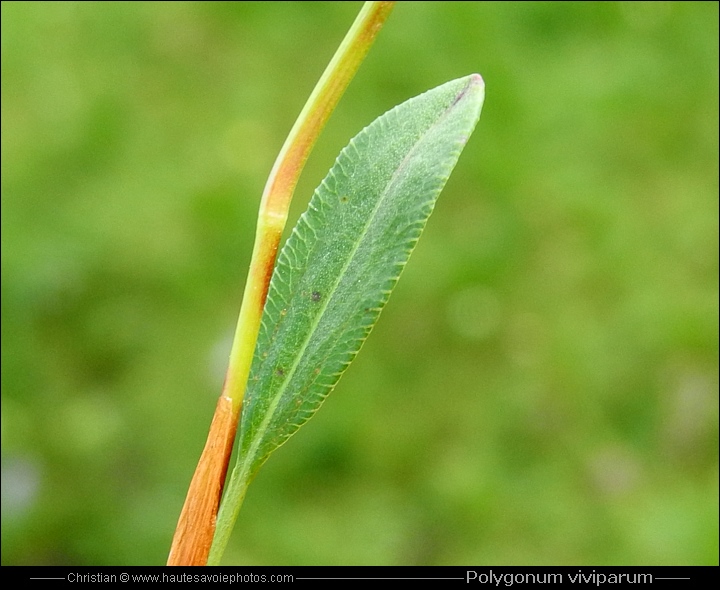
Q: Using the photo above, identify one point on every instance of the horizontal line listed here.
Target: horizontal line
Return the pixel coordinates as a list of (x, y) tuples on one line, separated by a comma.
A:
[(380, 578)]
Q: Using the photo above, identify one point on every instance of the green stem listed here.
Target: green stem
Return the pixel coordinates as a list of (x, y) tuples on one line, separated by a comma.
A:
[(281, 185)]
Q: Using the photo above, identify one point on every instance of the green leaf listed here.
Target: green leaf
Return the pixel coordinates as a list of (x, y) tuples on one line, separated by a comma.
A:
[(337, 269)]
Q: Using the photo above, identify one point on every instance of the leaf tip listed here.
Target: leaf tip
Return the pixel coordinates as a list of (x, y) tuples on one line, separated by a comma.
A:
[(476, 84)]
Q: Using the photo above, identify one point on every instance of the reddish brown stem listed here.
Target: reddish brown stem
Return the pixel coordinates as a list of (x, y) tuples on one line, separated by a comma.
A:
[(196, 527), (191, 543)]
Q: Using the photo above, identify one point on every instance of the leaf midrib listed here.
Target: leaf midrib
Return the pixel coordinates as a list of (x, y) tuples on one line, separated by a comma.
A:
[(394, 179)]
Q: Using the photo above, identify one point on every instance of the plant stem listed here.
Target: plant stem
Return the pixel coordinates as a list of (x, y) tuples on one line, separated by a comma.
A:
[(196, 525)]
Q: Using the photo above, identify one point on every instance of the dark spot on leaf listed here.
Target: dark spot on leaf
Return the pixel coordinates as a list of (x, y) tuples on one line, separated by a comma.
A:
[(280, 372), (344, 199), (315, 296), (462, 93)]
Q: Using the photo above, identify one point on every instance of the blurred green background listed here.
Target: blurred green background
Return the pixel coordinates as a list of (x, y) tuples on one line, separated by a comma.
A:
[(542, 387)]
